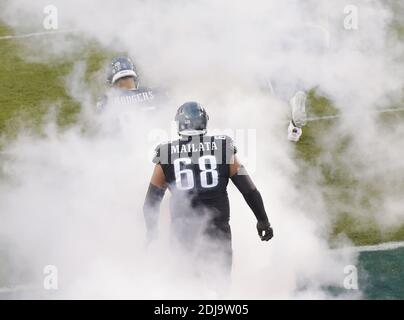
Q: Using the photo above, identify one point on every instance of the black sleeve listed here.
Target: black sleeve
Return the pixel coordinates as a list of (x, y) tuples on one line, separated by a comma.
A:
[(151, 207), (250, 193)]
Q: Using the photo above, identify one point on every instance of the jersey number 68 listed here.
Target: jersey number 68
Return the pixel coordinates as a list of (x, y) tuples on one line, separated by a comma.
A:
[(184, 178)]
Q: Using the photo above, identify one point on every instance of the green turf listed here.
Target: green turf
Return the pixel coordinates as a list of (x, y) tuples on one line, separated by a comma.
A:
[(31, 90), (4, 31), (352, 202), (381, 274)]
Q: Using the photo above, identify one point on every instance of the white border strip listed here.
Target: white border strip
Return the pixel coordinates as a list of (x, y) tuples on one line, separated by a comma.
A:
[(37, 34), (380, 247), (386, 246), (15, 289), (311, 119)]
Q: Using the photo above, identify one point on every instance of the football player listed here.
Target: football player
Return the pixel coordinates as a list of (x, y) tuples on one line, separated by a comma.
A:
[(196, 169), (125, 90)]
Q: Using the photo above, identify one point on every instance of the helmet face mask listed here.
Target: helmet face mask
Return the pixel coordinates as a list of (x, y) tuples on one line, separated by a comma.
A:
[(191, 119)]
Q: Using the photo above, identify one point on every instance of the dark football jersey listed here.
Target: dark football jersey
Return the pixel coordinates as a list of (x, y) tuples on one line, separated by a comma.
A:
[(197, 170), (143, 98)]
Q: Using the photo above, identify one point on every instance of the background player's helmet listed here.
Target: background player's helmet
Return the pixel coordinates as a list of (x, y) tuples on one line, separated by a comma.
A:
[(121, 67), (191, 119)]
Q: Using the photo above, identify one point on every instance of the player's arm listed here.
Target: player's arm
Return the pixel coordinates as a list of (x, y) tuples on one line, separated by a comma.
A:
[(252, 196), (154, 196)]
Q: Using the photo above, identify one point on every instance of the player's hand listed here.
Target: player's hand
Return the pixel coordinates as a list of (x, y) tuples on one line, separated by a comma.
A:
[(265, 231)]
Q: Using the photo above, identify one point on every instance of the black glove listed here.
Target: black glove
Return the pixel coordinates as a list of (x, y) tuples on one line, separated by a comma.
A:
[(265, 231)]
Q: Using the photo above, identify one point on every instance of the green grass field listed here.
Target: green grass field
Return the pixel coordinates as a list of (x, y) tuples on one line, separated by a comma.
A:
[(28, 89), (340, 185)]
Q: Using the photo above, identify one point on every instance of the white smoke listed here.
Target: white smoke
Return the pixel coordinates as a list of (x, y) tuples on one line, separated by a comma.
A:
[(74, 199)]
